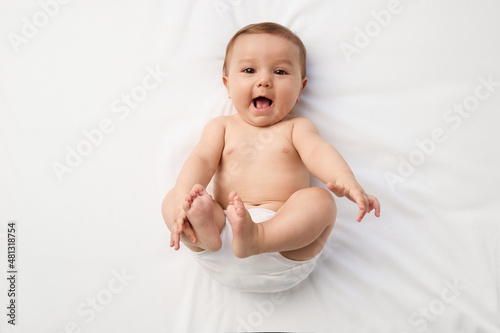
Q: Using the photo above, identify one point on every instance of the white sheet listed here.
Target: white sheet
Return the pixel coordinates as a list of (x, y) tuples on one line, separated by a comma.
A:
[(92, 250)]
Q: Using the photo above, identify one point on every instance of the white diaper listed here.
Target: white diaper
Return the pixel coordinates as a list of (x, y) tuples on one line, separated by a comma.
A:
[(267, 272)]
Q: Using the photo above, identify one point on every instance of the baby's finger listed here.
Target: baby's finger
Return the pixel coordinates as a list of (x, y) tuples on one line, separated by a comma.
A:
[(374, 204), (174, 240), (187, 202), (172, 235), (180, 223), (189, 232), (363, 204), (361, 214)]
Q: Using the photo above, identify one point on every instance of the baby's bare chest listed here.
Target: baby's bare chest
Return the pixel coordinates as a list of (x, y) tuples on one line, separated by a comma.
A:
[(263, 148), (261, 164)]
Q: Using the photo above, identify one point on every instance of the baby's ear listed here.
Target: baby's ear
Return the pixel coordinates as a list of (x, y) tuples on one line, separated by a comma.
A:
[(225, 81), (304, 83)]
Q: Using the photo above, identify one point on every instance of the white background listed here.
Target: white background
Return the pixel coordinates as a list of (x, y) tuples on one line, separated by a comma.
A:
[(92, 248)]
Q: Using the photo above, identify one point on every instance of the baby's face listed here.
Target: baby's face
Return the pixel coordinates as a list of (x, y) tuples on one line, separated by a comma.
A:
[(264, 78)]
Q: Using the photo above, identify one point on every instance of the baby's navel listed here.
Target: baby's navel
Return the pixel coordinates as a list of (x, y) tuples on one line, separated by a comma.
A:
[(285, 150)]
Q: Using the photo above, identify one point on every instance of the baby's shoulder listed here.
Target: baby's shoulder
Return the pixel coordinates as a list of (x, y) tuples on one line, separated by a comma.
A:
[(300, 120), (217, 123), (302, 123), (223, 121)]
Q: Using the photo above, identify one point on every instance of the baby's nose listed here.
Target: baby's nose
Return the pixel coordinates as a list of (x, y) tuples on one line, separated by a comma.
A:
[(264, 81)]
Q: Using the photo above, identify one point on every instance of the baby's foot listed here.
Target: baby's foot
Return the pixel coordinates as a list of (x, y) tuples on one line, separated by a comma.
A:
[(199, 209), (245, 231)]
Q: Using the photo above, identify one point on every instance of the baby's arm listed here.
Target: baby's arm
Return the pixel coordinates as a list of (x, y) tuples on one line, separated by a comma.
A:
[(199, 168), (326, 163)]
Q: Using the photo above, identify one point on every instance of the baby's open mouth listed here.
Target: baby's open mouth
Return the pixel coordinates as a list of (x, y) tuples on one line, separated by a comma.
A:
[(262, 102)]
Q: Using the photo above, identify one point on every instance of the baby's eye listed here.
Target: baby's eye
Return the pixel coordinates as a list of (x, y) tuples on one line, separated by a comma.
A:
[(280, 72), (249, 70)]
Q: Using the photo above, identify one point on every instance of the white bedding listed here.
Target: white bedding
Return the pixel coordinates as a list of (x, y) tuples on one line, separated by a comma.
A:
[(101, 101)]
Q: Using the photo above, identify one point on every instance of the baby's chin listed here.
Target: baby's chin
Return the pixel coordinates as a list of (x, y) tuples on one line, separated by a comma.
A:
[(261, 120)]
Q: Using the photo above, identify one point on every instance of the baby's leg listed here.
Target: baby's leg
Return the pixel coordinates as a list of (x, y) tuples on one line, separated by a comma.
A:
[(299, 230), (206, 217)]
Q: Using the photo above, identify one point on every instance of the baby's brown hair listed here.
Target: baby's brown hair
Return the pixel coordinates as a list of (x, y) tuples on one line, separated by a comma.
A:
[(272, 29)]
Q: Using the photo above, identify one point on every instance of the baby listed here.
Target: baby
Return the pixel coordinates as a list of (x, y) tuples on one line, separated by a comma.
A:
[(260, 159)]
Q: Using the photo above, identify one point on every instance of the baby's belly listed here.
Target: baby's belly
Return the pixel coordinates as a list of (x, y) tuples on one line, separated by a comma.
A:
[(262, 189)]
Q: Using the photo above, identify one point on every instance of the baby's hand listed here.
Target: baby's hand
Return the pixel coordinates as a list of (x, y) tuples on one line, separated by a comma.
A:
[(181, 225), (354, 192)]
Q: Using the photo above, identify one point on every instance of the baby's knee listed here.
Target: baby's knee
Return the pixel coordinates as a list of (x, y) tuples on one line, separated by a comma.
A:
[(319, 195), (321, 199), (167, 208), (325, 200)]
